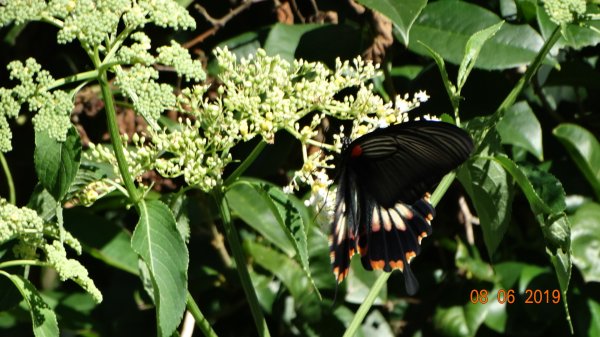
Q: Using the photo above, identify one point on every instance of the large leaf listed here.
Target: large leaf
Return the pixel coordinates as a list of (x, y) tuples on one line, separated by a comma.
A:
[(258, 211), (490, 189), (158, 242), (288, 271), (42, 316), (584, 149), (403, 13), (284, 39), (446, 26), (585, 240), (285, 209), (460, 320), (56, 163), (520, 127)]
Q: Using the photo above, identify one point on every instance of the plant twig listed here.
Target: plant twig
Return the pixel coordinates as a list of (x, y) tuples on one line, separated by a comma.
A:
[(223, 20)]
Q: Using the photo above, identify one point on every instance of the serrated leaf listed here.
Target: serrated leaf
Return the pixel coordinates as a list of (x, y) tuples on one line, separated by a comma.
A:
[(585, 240), (446, 26), (42, 316), (537, 204), (584, 149), (403, 13), (520, 127), (56, 163), (159, 244)]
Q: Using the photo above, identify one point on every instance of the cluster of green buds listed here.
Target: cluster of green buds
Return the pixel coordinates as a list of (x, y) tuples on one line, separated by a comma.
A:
[(564, 11)]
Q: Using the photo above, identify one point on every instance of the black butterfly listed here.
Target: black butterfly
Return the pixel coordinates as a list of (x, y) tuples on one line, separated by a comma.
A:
[(381, 175)]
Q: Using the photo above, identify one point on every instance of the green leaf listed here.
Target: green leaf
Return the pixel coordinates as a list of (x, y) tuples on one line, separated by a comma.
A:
[(594, 327), (102, 239), (266, 292), (584, 149), (537, 204), (450, 88), (284, 39), (472, 50), (459, 321), (360, 281), (585, 240), (56, 163), (490, 189), (258, 211), (403, 13), (285, 269), (158, 242), (42, 316), (548, 188), (446, 26), (472, 263), (520, 127)]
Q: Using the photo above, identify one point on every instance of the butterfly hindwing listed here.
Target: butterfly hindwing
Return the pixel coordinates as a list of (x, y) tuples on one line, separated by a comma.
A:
[(382, 207), (394, 238)]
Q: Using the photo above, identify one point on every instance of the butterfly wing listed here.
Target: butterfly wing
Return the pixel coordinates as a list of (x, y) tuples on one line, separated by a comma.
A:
[(381, 171), (403, 161)]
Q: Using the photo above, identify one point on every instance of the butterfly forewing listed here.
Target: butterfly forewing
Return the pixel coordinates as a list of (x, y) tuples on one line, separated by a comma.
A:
[(382, 206), (401, 162)]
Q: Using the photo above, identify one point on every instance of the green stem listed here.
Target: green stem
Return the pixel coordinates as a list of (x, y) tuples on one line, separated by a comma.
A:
[(115, 137), (201, 321), (84, 76), (12, 196), (246, 163), (366, 305), (240, 261), (15, 263), (531, 70)]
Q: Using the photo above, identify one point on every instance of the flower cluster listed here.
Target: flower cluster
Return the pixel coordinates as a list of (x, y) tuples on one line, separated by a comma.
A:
[(53, 107), (32, 235), (94, 21), (564, 11)]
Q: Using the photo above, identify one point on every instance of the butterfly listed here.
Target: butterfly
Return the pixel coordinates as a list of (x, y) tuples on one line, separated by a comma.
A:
[(382, 208)]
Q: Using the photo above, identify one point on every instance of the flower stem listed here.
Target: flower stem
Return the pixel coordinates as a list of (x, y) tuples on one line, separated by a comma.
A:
[(246, 163), (12, 196), (115, 137), (240, 264), (201, 321)]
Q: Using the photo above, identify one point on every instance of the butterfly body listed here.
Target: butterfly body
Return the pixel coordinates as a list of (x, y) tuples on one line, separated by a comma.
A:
[(382, 207)]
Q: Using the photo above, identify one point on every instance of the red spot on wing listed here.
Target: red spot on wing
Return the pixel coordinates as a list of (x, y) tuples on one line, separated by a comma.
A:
[(356, 151)]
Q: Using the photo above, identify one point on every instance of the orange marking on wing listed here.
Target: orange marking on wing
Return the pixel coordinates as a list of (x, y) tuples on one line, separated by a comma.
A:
[(410, 255), (351, 252), (377, 264), (397, 265), (423, 235)]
